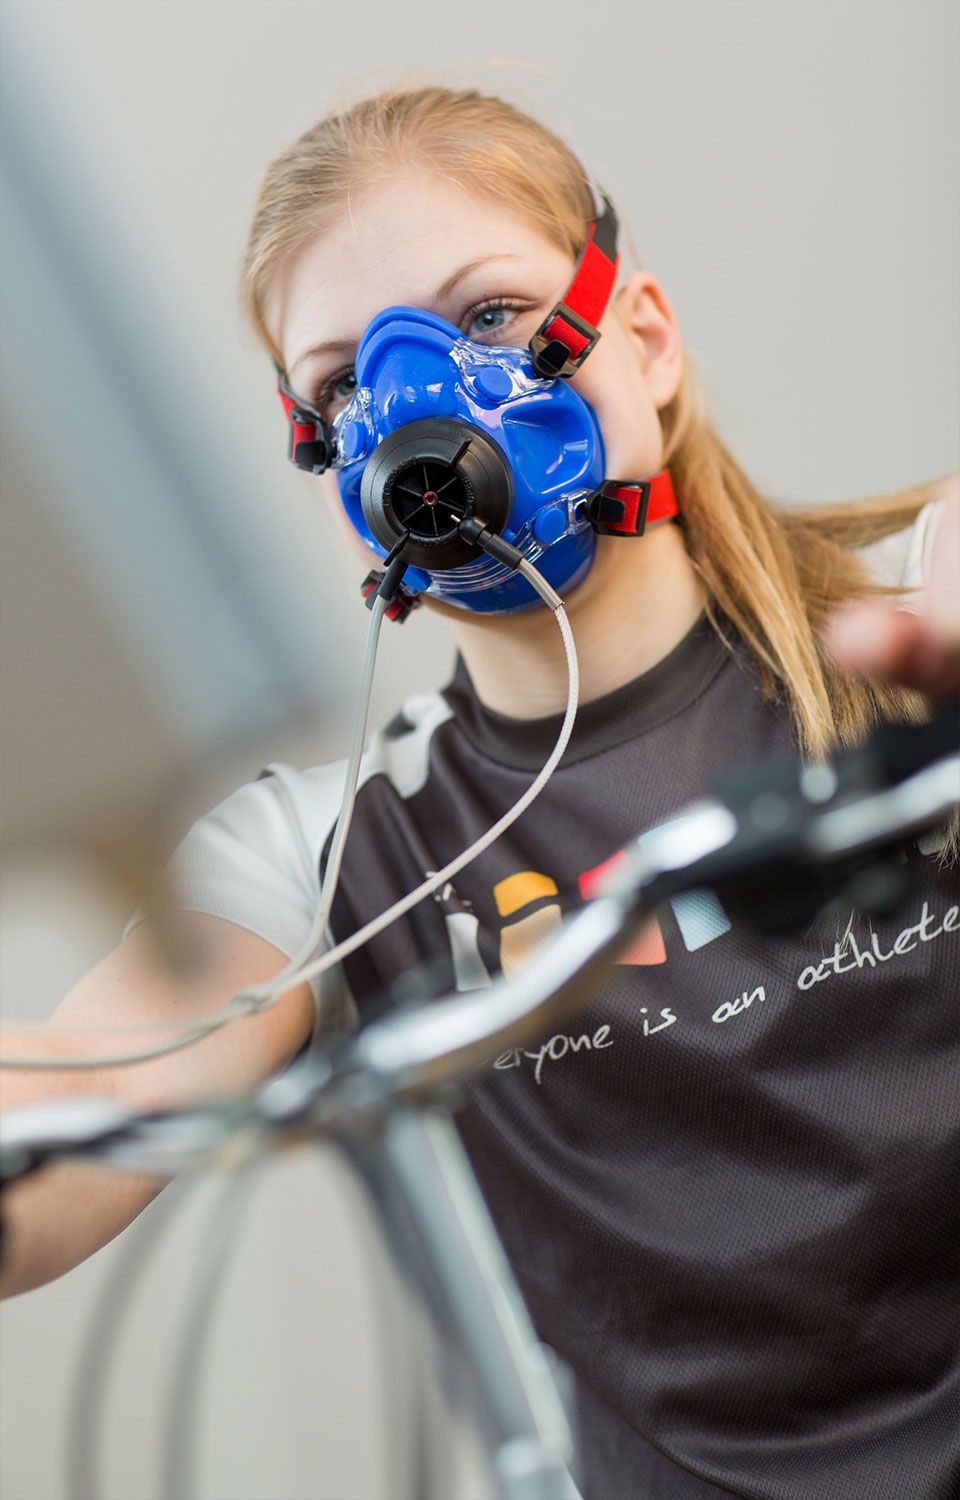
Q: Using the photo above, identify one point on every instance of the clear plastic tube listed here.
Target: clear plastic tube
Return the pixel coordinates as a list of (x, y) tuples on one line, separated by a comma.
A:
[(306, 965)]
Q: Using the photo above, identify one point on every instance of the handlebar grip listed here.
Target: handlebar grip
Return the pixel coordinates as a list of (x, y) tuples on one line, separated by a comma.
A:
[(897, 750), (891, 754), (771, 875)]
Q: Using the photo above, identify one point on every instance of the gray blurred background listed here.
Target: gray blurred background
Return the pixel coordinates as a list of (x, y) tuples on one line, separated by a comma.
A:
[(788, 169)]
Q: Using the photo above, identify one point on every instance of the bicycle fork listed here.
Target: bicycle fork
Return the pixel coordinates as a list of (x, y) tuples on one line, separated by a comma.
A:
[(433, 1214)]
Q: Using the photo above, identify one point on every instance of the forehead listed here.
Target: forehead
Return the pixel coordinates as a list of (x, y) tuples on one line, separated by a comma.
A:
[(397, 244)]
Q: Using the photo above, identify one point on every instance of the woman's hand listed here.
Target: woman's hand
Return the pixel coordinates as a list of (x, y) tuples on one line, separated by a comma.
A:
[(920, 651)]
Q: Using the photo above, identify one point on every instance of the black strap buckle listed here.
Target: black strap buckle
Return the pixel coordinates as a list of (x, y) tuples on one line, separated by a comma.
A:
[(312, 445), (611, 514), (314, 455), (551, 357)]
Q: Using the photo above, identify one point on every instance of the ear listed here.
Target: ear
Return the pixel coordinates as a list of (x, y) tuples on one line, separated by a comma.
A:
[(649, 322)]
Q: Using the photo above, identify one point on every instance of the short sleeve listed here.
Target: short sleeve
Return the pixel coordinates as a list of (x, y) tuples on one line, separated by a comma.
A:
[(902, 560), (250, 861)]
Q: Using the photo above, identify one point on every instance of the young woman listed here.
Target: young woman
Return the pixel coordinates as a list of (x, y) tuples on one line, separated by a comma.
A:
[(726, 1189)]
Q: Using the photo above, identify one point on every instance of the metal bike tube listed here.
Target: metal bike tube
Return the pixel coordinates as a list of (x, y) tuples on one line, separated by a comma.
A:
[(433, 1213)]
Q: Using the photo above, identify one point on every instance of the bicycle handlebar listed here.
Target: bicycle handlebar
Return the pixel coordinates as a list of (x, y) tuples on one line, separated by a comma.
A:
[(805, 836)]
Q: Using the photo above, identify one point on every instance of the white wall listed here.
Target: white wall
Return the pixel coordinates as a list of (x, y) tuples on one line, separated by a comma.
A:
[(789, 173)]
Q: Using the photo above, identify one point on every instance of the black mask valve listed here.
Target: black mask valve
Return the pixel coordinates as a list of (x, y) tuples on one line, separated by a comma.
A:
[(424, 480)]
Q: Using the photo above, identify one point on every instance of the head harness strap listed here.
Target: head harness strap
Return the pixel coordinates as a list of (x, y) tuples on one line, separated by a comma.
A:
[(569, 332), (620, 507), (558, 348), (626, 507), (311, 444)]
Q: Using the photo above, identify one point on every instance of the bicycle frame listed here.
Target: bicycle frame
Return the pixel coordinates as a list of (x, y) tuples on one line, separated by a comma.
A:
[(384, 1094)]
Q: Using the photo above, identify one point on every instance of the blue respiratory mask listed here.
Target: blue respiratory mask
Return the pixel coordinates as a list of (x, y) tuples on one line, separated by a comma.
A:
[(447, 445)]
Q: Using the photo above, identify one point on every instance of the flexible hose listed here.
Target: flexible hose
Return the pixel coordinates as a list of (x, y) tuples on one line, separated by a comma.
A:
[(260, 997)]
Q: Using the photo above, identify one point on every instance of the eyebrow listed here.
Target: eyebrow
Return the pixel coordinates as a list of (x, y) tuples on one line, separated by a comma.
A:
[(442, 293)]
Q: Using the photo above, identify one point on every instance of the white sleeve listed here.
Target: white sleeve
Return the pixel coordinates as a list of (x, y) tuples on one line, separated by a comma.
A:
[(902, 560), (254, 860)]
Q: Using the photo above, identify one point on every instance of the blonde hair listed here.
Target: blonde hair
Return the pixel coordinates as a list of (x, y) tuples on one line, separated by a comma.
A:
[(775, 574)]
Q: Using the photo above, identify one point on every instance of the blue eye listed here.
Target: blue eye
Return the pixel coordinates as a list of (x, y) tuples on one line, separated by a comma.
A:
[(345, 385), (335, 393), (489, 318)]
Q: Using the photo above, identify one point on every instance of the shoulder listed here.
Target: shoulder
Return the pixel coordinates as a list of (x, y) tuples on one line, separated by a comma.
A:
[(401, 751), (286, 807), (902, 560), (249, 858), (304, 801), (254, 857)]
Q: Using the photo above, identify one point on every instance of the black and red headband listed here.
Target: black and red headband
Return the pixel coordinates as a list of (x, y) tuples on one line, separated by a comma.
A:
[(558, 348), (569, 332), (620, 507)]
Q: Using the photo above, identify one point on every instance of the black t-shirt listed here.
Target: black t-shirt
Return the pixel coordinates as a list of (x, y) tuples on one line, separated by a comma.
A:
[(727, 1186)]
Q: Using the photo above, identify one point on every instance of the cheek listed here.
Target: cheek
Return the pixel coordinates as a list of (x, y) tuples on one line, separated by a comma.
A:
[(612, 381), (328, 496)]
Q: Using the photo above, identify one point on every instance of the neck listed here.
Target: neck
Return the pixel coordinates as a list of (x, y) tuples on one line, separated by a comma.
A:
[(638, 601)]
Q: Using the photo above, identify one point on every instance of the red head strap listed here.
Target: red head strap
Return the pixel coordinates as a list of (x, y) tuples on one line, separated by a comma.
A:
[(626, 507), (569, 332)]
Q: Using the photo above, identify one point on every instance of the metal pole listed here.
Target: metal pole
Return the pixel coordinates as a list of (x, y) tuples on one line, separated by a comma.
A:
[(433, 1213)]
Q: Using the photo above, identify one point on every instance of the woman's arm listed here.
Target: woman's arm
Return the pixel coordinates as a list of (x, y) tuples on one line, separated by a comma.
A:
[(920, 650), (62, 1214)]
